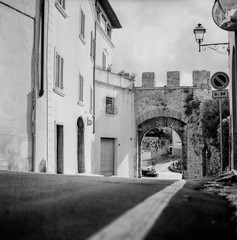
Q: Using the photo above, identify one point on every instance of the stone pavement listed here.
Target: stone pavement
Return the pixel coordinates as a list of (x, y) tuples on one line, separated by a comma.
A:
[(225, 185)]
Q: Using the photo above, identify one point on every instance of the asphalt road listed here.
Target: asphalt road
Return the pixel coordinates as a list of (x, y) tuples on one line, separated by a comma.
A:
[(44, 206)]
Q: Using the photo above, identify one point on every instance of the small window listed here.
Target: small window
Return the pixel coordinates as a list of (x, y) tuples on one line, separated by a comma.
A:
[(103, 22), (82, 26), (109, 31), (59, 62), (110, 106), (81, 83), (62, 3), (103, 61), (98, 13), (92, 46)]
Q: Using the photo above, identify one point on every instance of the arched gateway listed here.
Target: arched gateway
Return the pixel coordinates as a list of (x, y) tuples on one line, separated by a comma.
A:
[(172, 106), (162, 118)]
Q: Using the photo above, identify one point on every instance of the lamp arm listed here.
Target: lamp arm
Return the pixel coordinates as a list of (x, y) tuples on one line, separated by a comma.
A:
[(215, 46)]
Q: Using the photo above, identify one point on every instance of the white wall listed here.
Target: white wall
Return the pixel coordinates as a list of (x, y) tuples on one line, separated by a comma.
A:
[(63, 36), (17, 80), (120, 127)]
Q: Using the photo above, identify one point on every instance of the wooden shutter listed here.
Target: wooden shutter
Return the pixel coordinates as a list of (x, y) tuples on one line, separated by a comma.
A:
[(61, 72), (84, 22), (91, 49), (57, 70)]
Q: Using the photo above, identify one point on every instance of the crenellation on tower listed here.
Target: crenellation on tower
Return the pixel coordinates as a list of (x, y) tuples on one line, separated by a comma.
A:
[(173, 79), (148, 79), (201, 78)]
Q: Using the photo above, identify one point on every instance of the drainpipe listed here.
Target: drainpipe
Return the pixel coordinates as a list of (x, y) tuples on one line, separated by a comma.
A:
[(94, 58), (41, 90)]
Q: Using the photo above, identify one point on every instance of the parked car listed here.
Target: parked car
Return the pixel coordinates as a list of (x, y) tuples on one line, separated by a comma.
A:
[(149, 171)]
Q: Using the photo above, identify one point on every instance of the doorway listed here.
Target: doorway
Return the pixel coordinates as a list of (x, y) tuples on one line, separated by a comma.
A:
[(107, 156), (80, 146), (59, 150)]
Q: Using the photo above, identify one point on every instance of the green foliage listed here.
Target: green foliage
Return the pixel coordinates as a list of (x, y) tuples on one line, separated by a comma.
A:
[(211, 118), (191, 104), (211, 126)]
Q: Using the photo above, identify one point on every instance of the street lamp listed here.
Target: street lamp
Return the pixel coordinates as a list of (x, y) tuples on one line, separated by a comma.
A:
[(199, 32)]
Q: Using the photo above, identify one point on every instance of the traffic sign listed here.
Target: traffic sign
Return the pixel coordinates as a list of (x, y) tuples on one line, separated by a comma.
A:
[(220, 94), (220, 80)]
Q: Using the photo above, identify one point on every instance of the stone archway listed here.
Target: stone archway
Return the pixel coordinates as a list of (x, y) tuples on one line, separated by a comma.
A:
[(156, 118), (80, 146)]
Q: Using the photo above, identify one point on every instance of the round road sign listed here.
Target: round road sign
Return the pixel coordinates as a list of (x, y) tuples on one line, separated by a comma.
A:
[(219, 80)]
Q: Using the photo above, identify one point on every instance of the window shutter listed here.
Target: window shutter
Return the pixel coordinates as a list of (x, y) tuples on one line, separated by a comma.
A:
[(91, 49), (64, 4), (61, 73), (57, 70), (81, 30), (84, 22)]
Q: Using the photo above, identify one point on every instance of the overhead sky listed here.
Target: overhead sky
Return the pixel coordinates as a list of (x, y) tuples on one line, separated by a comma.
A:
[(157, 36)]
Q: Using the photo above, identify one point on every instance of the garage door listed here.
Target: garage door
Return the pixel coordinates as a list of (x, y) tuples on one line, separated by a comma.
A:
[(107, 156)]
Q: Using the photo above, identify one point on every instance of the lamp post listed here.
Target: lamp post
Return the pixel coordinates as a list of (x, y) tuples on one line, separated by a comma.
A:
[(199, 32)]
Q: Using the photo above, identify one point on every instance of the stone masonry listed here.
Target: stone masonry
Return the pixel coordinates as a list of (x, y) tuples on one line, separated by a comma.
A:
[(167, 106), (173, 79)]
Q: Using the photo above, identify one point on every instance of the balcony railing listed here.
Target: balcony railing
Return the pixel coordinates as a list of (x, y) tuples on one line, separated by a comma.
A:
[(115, 79)]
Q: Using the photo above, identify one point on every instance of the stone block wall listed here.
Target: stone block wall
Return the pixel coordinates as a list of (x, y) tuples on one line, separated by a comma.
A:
[(201, 78), (173, 79), (174, 97), (148, 80)]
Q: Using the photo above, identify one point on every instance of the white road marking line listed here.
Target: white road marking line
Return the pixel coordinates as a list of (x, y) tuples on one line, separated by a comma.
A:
[(135, 223)]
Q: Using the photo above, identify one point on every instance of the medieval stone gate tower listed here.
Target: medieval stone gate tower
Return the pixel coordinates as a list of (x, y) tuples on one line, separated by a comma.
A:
[(167, 107)]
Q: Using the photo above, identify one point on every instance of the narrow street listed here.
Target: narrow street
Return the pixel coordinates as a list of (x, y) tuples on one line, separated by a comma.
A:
[(46, 206)]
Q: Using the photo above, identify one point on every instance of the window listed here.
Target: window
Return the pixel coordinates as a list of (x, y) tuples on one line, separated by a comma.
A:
[(92, 46), (82, 26), (110, 106), (103, 22), (59, 62), (109, 31), (103, 61), (62, 3), (91, 100), (81, 83)]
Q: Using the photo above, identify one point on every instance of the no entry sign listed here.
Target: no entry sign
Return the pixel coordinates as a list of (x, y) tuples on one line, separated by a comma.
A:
[(220, 80)]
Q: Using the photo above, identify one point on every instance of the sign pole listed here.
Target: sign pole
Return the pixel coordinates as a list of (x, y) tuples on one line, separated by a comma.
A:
[(221, 150)]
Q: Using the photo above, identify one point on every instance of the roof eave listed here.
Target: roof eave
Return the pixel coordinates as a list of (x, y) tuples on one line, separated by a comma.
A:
[(110, 14)]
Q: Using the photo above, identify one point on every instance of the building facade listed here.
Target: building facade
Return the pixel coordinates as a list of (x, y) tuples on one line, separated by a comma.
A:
[(233, 97), (19, 37)]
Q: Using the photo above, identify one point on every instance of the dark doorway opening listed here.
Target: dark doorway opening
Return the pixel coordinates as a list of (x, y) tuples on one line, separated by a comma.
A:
[(80, 146), (59, 148)]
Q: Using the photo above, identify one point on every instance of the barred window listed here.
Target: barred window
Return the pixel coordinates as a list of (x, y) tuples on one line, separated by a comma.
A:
[(59, 62), (81, 83), (110, 105)]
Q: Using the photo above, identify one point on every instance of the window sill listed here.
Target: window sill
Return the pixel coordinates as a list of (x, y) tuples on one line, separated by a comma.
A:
[(80, 103), (61, 10), (110, 114), (59, 92), (82, 39)]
